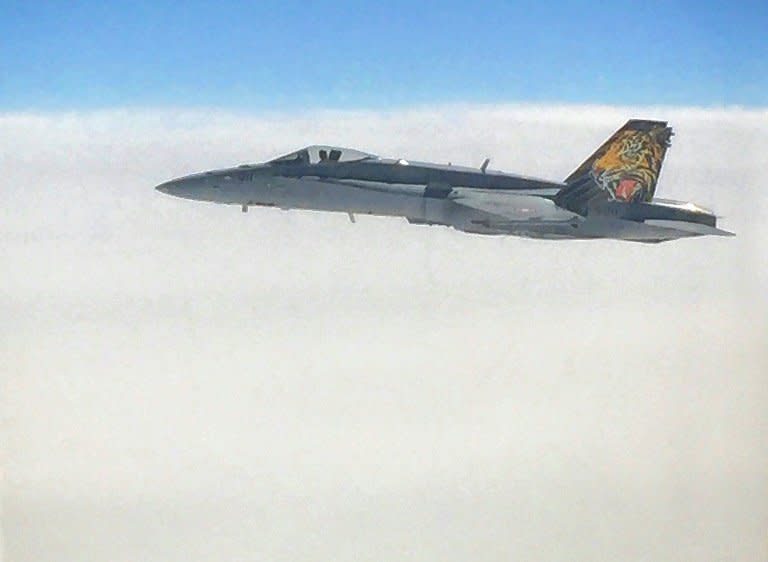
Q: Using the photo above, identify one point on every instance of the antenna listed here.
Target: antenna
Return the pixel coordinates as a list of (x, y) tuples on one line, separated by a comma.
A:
[(484, 166)]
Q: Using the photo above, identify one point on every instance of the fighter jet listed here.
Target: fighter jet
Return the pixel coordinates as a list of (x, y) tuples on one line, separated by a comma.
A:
[(610, 195)]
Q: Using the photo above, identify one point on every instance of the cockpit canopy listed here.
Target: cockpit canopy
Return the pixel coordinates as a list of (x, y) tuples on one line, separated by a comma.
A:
[(317, 154)]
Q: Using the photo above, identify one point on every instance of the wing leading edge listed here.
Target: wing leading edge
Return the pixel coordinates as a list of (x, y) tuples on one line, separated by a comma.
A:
[(507, 207)]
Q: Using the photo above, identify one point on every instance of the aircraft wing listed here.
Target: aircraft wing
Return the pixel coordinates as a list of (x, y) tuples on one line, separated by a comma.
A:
[(507, 209)]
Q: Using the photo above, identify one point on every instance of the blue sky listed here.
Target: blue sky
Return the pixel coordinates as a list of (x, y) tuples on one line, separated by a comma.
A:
[(283, 55)]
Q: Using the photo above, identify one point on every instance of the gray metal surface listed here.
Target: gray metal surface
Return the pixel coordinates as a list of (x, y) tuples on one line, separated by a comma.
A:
[(608, 196)]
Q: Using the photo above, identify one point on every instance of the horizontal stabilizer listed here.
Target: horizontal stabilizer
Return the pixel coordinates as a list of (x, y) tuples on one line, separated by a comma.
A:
[(695, 229)]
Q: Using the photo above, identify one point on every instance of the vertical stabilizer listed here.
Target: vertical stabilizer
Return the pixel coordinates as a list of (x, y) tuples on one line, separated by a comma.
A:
[(625, 168)]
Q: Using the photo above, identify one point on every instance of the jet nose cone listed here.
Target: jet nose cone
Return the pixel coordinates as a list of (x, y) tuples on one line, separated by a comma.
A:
[(166, 187)]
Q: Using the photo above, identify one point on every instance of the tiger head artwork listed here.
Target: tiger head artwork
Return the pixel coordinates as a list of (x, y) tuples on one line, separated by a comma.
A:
[(630, 165)]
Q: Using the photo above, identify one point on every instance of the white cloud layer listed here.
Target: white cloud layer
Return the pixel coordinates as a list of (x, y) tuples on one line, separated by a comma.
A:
[(182, 381)]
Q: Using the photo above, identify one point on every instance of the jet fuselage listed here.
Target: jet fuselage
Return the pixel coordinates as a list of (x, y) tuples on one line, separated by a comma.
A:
[(473, 200)]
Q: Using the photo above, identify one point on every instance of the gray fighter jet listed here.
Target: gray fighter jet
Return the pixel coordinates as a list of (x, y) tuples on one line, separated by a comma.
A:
[(611, 195)]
